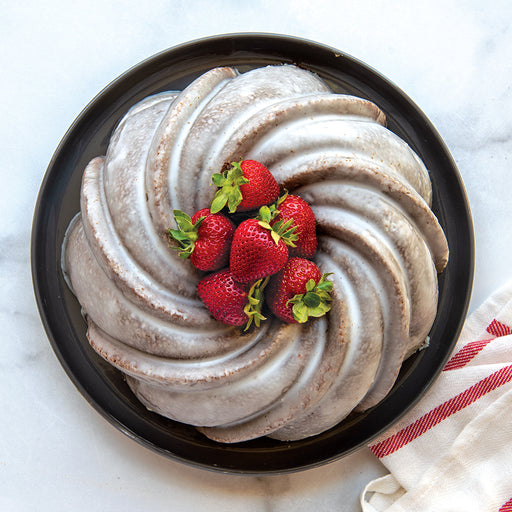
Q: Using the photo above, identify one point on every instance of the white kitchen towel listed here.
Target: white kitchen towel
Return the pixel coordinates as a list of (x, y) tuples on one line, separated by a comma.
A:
[(453, 451)]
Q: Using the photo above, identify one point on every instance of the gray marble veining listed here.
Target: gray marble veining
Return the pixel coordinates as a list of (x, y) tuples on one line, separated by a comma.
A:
[(56, 452)]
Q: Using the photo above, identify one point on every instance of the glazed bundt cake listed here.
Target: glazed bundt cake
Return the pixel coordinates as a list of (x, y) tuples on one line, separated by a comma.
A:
[(377, 235)]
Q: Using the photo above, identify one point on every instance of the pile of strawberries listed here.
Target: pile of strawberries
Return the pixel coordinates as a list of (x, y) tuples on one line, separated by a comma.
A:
[(251, 240)]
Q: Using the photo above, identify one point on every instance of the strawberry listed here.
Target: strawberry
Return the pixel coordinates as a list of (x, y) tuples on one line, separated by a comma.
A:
[(299, 291), (231, 302), (247, 185), (259, 249), (294, 207), (205, 238)]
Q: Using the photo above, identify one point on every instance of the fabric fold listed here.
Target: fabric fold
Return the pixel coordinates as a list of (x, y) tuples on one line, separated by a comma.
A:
[(453, 451)]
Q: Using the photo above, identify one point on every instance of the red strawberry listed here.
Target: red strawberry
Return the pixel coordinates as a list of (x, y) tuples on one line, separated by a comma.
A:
[(230, 302), (294, 207), (299, 291), (246, 186), (259, 249), (205, 238)]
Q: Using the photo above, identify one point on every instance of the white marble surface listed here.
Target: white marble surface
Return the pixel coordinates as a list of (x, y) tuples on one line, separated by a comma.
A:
[(56, 453)]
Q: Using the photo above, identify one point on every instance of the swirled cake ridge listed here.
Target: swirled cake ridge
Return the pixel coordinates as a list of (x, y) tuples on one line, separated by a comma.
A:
[(371, 196)]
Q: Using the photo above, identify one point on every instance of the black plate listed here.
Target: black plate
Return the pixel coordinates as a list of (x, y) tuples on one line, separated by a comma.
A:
[(58, 202)]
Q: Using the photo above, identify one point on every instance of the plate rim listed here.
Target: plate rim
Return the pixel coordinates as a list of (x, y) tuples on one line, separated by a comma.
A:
[(164, 54)]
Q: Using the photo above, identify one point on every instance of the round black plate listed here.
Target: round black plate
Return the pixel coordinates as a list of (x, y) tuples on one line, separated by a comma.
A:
[(58, 202)]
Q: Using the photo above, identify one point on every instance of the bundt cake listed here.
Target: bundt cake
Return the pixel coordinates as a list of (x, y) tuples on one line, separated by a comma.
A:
[(377, 235)]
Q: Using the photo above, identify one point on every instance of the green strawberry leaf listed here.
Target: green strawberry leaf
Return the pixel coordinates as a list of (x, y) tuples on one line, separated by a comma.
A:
[(286, 231), (229, 192), (280, 199), (280, 230), (234, 198), (300, 312), (311, 299), (310, 285), (316, 302), (219, 179), (275, 237), (265, 225), (319, 311), (265, 214), (219, 201), (184, 221), (254, 302), (186, 234), (178, 235)]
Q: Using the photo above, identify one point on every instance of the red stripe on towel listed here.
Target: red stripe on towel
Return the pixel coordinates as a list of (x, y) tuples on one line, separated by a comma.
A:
[(499, 329), (469, 351), (465, 354), (507, 507), (441, 412)]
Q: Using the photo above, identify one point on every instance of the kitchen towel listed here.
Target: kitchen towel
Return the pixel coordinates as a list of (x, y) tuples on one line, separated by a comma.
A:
[(453, 451)]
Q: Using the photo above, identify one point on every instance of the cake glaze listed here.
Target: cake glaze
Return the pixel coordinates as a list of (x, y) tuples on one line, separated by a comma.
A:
[(371, 196)]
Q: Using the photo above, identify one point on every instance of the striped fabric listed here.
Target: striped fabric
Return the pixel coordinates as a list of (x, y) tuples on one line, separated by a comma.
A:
[(474, 389), (441, 412), (507, 507)]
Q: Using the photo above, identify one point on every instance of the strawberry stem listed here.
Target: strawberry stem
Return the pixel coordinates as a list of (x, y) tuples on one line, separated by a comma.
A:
[(316, 302), (280, 229), (229, 193), (254, 303), (186, 234)]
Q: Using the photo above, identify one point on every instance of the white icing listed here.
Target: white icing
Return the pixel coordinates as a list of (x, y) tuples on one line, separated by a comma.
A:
[(371, 195)]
